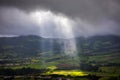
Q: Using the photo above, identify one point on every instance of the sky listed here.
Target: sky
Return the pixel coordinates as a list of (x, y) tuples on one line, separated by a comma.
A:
[(59, 18)]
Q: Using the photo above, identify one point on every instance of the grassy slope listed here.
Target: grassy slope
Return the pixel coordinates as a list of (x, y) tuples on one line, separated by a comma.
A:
[(109, 58)]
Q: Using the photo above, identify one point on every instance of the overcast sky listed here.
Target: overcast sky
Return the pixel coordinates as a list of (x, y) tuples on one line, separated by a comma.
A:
[(60, 18)]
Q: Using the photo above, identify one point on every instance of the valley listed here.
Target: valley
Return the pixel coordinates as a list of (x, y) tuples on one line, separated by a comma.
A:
[(97, 57)]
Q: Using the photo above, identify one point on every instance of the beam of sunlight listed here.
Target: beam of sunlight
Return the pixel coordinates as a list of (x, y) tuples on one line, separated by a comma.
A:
[(56, 26)]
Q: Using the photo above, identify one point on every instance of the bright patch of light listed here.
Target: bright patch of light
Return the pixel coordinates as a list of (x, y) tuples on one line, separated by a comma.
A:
[(53, 25), (60, 24)]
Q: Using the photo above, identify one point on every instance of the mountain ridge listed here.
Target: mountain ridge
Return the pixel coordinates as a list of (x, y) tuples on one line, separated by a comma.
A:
[(32, 45)]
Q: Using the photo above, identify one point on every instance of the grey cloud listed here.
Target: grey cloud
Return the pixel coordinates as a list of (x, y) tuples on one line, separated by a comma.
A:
[(105, 27), (85, 9), (16, 22), (92, 17), (43, 23)]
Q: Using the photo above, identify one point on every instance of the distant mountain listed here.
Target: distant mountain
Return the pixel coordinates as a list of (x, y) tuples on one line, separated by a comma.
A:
[(98, 44), (29, 46), (26, 46)]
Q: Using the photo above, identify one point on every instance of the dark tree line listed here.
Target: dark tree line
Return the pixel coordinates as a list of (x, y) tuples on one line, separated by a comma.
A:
[(23, 71)]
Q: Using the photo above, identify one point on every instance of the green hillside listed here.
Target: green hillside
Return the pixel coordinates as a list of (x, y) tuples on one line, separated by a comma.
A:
[(98, 55)]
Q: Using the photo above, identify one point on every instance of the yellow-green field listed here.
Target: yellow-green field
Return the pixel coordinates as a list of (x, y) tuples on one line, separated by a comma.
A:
[(72, 73)]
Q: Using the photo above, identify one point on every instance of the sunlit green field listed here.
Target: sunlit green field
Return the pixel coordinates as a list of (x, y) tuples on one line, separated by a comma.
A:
[(72, 73)]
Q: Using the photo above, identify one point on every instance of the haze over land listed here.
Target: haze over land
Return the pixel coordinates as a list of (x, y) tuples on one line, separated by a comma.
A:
[(59, 18)]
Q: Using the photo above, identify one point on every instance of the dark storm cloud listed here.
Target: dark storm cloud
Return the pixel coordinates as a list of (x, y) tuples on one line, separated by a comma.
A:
[(92, 17), (86, 9), (15, 22)]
